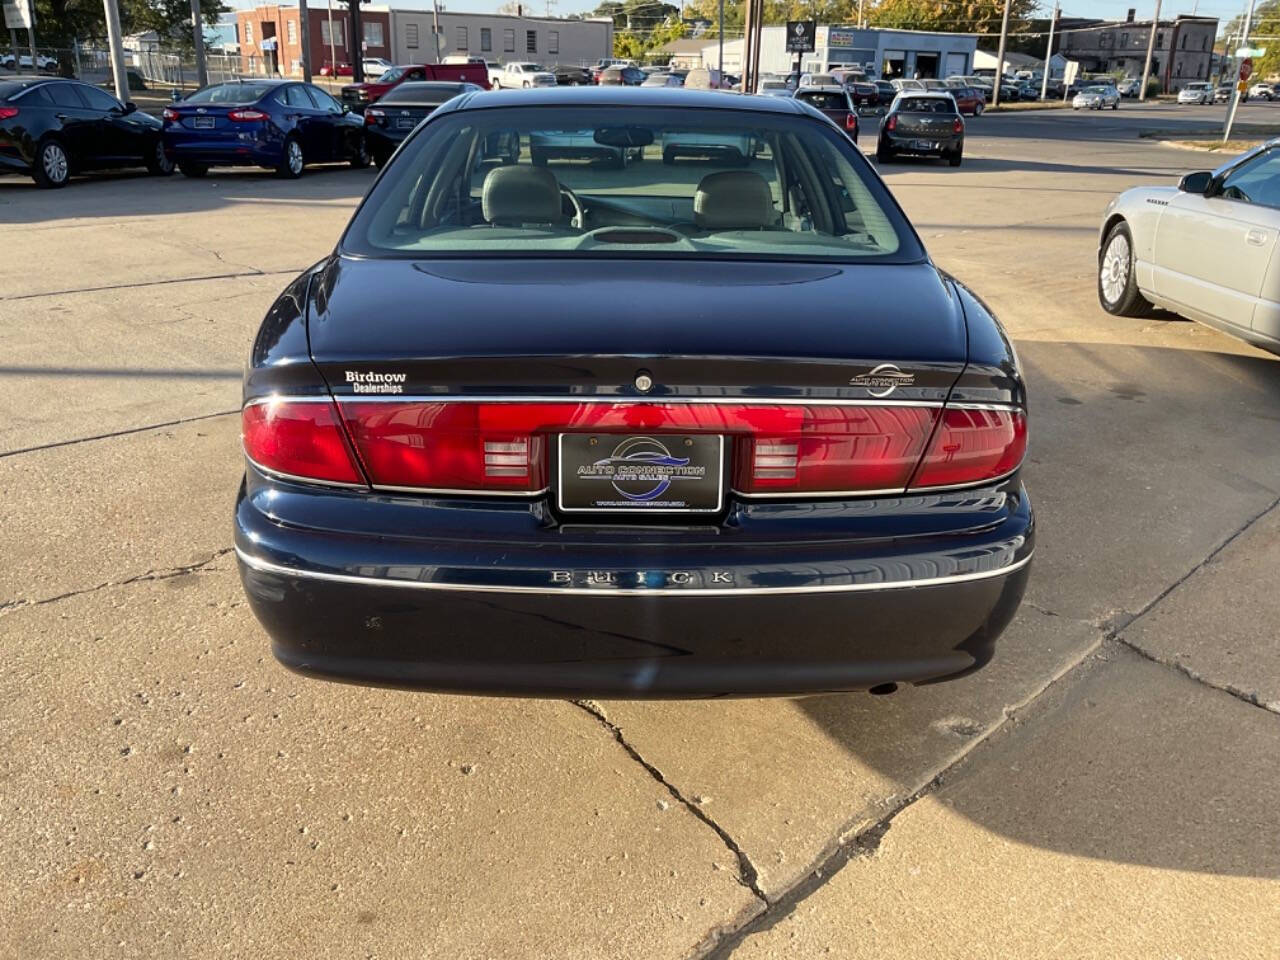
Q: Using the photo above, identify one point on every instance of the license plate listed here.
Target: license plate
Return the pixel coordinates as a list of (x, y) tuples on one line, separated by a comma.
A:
[(406, 123), (923, 145), (654, 473), (203, 123)]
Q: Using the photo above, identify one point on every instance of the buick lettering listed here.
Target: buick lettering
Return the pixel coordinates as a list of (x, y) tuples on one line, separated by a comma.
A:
[(605, 425)]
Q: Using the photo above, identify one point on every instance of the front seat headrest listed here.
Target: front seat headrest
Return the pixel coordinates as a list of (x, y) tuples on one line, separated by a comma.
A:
[(733, 200), (516, 195)]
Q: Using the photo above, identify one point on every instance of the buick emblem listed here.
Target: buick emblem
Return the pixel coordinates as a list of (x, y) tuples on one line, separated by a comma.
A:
[(883, 380), (644, 382)]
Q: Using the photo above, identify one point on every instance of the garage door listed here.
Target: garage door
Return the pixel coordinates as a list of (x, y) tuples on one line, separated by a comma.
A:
[(957, 65)]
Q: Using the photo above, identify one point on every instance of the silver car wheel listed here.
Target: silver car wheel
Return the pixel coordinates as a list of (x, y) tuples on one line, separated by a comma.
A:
[(295, 157), (54, 161), (1115, 268)]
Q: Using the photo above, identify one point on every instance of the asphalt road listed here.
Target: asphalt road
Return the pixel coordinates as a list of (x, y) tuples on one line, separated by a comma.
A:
[(1105, 788)]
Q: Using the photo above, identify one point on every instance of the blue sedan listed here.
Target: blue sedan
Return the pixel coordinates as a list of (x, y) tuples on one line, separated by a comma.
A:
[(278, 124)]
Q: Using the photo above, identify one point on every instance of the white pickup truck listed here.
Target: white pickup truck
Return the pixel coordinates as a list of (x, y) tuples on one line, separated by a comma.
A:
[(516, 75)]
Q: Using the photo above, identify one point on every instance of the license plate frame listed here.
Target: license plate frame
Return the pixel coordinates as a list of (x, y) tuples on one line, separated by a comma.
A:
[(624, 473), (406, 123), (924, 145), (202, 123)]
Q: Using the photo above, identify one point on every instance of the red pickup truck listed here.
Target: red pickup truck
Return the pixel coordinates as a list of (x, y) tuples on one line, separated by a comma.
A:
[(357, 96)]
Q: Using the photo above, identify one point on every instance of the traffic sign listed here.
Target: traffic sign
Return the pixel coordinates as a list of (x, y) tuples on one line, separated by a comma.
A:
[(1246, 69), (1251, 52)]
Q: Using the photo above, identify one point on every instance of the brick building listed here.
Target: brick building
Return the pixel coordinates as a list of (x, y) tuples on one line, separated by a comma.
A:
[(1183, 50), (270, 40)]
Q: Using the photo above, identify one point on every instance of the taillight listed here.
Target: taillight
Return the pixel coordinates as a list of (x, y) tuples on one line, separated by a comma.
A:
[(972, 445), (372, 116), (893, 122), (957, 125), (170, 114), (8, 113), (246, 116), (850, 121), (298, 439)]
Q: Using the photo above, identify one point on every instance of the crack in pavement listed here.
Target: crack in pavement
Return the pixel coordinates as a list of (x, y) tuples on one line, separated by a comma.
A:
[(1122, 620), (748, 876), (9, 606), (154, 283), (117, 433)]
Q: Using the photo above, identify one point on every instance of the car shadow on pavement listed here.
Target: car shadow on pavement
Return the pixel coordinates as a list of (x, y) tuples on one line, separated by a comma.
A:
[(999, 165), (134, 193), (1138, 478)]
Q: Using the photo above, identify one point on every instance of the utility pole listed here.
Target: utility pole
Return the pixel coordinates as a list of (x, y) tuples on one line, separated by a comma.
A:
[(197, 36), (356, 43), (31, 35), (435, 29), (304, 29), (1048, 54), (1235, 94), (13, 46), (333, 55), (1151, 45), (721, 80), (117, 50), (747, 36), (1004, 37)]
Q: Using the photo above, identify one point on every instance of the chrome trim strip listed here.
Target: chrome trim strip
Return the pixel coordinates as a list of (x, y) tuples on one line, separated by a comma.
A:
[(799, 495), (382, 488), (272, 397), (968, 486), (267, 566), (722, 401), (1007, 407), (267, 471)]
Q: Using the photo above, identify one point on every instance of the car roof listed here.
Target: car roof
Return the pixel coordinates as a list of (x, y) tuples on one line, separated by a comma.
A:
[(915, 94), (822, 88), (661, 97)]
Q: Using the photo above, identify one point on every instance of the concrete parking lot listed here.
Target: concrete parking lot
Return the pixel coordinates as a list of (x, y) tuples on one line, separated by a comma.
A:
[(1106, 787)]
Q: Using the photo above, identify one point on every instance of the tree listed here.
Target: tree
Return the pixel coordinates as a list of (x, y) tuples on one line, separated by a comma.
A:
[(59, 23), (951, 16), (1266, 23)]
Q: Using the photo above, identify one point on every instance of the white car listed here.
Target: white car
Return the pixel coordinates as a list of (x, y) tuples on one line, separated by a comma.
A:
[(1262, 91), (42, 62), (376, 66), (516, 75), (1205, 249), (1196, 93), (1096, 97)]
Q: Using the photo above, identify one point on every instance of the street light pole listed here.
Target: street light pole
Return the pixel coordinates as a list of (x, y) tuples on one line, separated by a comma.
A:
[(197, 36), (721, 80), (1004, 37), (117, 50), (304, 28), (1235, 93), (1048, 54), (1151, 46)]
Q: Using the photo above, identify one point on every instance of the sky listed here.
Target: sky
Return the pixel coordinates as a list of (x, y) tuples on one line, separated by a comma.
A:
[(1224, 10)]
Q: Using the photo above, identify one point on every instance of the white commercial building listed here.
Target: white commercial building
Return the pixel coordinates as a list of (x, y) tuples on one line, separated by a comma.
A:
[(881, 52), (548, 40)]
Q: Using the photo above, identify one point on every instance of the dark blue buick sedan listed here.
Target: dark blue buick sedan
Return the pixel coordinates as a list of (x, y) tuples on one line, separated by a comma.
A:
[(579, 427), (278, 124)]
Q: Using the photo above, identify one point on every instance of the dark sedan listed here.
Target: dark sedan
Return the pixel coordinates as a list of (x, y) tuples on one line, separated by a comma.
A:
[(621, 77), (922, 125), (51, 129), (834, 103), (570, 76), (584, 431), (277, 124), (393, 117)]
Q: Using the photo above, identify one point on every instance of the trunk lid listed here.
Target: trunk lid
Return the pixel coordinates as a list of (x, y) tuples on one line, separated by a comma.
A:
[(932, 125), (564, 328)]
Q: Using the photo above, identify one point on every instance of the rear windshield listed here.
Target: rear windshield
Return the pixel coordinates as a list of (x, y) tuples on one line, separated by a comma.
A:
[(926, 105), (421, 93), (392, 75), (599, 182), (232, 93), (824, 101)]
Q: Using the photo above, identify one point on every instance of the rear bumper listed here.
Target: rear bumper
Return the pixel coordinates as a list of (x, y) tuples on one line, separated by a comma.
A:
[(742, 609), (229, 153), (908, 143)]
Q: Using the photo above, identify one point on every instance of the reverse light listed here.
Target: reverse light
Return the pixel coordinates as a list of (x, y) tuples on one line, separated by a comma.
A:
[(850, 121), (893, 123), (298, 439), (374, 116), (170, 114), (246, 116), (957, 125)]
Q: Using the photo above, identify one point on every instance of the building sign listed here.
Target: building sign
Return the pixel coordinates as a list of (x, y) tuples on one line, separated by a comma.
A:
[(20, 15), (840, 38), (801, 36)]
